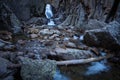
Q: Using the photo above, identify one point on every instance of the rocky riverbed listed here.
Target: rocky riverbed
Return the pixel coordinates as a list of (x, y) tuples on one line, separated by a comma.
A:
[(33, 54)]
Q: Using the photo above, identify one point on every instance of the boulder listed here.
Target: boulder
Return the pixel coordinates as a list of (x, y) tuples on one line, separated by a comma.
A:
[(93, 24), (8, 19), (37, 70), (5, 73), (108, 37), (69, 53), (24, 9)]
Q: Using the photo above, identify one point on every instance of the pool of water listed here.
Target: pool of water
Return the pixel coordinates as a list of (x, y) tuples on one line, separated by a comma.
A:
[(102, 70)]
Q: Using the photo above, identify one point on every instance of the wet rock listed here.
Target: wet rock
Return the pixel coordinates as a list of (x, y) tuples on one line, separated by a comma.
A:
[(5, 73), (69, 53), (108, 37), (33, 36), (37, 70)]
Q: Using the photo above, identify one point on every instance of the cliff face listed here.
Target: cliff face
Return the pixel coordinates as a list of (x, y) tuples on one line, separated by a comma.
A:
[(69, 12), (78, 11)]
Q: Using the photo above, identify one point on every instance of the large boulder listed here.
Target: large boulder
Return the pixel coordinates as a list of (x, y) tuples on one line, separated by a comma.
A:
[(8, 19), (108, 37), (5, 73), (37, 70), (93, 24), (24, 9)]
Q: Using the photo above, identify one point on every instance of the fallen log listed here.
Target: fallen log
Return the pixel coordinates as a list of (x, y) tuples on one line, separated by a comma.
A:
[(6, 42), (81, 61)]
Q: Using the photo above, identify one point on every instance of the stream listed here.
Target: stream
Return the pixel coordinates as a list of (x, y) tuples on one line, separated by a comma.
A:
[(101, 70)]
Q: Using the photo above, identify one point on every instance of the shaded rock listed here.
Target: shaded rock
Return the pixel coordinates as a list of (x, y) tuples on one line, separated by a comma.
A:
[(68, 53), (93, 24), (25, 9), (5, 35), (8, 19), (108, 37), (8, 78), (4, 71), (37, 70), (37, 20)]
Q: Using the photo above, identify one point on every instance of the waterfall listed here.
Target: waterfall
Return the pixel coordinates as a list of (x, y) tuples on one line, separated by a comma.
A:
[(49, 14)]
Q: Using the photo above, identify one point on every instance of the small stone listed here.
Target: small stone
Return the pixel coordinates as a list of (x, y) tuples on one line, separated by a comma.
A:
[(53, 36), (2, 44), (33, 31), (21, 42), (70, 44), (31, 55), (33, 36), (20, 53)]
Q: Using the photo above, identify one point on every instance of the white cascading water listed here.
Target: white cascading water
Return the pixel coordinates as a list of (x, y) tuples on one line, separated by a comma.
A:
[(49, 14), (98, 67)]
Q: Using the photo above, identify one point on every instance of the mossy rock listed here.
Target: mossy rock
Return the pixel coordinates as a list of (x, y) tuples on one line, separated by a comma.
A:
[(37, 70)]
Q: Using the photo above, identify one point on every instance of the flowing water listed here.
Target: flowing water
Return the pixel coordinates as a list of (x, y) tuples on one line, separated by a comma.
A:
[(101, 70), (49, 15)]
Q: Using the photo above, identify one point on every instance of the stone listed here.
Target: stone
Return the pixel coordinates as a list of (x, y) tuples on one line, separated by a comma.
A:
[(9, 78), (37, 70), (49, 32), (69, 53), (9, 48), (53, 36), (93, 24), (108, 37), (1, 44), (4, 71), (9, 20), (25, 9), (21, 42), (37, 20), (70, 45), (33, 36), (33, 31)]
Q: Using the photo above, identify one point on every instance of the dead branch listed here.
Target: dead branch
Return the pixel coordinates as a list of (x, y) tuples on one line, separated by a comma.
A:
[(81, 61)]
